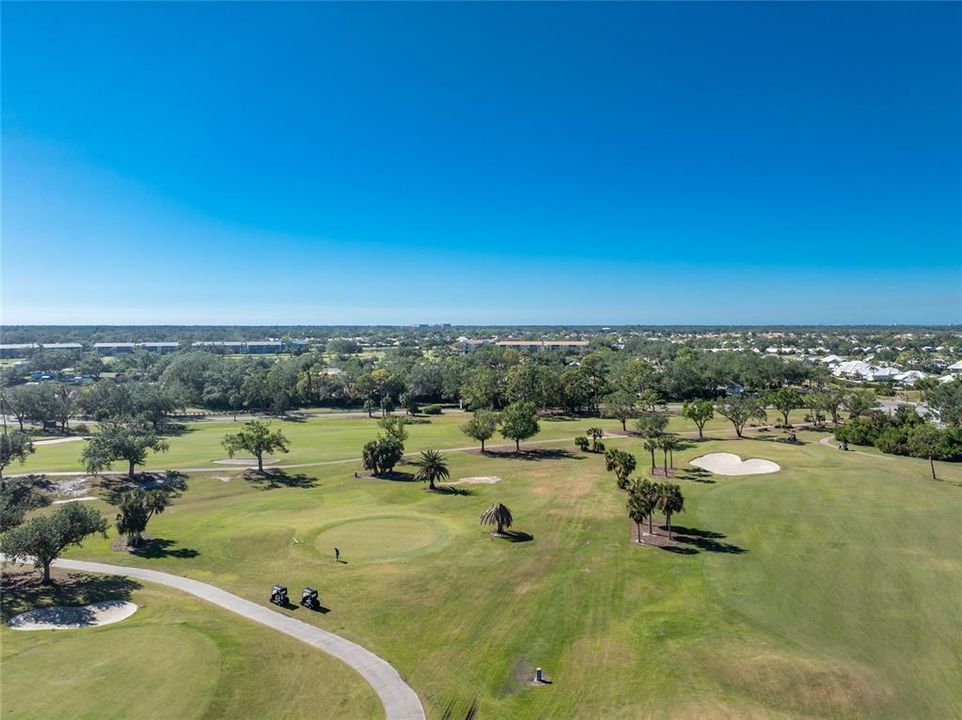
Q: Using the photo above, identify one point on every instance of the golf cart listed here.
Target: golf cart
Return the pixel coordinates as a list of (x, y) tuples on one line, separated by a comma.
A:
[(309, 598), (279, 595)]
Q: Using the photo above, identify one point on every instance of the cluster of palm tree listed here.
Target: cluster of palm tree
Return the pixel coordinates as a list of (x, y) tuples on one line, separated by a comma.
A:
[(646, 497), (668, 444)]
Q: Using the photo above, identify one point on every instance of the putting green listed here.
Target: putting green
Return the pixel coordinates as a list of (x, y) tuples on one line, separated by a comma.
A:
[(380, 538), (80, 675)]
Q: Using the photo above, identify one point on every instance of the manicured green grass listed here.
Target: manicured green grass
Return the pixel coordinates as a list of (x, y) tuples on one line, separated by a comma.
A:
[(827, 590), (320, 439), (176, 657)]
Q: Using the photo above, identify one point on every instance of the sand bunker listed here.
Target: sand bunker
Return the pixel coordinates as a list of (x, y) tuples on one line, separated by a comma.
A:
[(731, 464), (480, 480), (60, 617)]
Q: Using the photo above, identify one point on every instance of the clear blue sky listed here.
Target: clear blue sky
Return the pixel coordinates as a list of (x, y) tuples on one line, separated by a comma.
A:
[(471, 163)]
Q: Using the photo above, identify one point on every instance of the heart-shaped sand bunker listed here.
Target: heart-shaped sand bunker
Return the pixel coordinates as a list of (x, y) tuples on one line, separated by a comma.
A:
[(731, 464)]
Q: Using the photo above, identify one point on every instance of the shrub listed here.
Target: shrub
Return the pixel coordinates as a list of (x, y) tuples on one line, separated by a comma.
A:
[(433, 409), (582, 442)]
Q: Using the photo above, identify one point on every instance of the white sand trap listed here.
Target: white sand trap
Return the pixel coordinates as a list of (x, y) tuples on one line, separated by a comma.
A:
[(246, 462), (61, 617), (480, 480), (731, 464), (76, 499)]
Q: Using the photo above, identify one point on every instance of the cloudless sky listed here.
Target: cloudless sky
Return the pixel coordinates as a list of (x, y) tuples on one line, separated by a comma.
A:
[(481, 163)]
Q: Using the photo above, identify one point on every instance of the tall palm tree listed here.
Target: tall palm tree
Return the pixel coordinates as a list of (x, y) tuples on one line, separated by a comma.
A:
[(672, 443), (432, 468), (671, 501), (641, 504), (651, 444), (664, 444), (498, 515)]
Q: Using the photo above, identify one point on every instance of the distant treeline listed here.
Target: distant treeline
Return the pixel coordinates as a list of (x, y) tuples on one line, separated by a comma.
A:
[(793, 335)]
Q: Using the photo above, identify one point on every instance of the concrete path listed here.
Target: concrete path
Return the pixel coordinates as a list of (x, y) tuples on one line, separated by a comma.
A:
[(399, 700)]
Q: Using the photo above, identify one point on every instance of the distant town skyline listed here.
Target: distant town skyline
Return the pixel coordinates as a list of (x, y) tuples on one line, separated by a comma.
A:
[(598, 164)]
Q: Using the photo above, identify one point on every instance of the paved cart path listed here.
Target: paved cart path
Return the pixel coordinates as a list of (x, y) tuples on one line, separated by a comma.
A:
[(399, 700)]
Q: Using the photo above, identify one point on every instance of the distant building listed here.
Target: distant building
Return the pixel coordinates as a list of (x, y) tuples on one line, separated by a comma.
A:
[(909, 377), (161, 347), (114, 348), (539, 345), (16, 350), (261, 347), (71, 347), (257, 347)]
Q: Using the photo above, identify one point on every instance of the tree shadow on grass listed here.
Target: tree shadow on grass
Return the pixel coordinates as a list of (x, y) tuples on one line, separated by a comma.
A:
[(537, 454), (678, 549), (395, 476), (695, 475), (513, 536), (153, 548), (23, 591), (453, 490), (273, 479), (694, 540), (175, 429), (28, 492), (777, 439)]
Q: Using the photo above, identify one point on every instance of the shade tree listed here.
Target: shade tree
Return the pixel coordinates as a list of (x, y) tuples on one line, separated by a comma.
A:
[(699, 412), (257, 438), (382, 454), (519, 421), (136, 508), (620, 405), (43, 538), (481, 426), (126, 439), (785, 400), (739, 409), (15, 446)]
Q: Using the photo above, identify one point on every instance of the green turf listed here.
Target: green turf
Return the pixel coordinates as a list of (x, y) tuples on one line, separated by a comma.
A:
[(827, 590), (318, 439), (326, 438), (176, 657)]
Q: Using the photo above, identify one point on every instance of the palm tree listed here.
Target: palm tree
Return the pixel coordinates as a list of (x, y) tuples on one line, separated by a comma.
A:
[(432, 468), (671, 443), (498, 515), (670, 501), (663, 446), (641, 503), (651, 444)]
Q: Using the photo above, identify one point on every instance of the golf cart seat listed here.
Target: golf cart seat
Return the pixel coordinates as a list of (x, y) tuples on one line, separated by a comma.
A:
[(309, 598), (279, 595)]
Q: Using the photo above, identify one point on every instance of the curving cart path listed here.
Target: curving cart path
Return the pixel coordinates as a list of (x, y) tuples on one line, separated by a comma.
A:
[(399, 700)]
